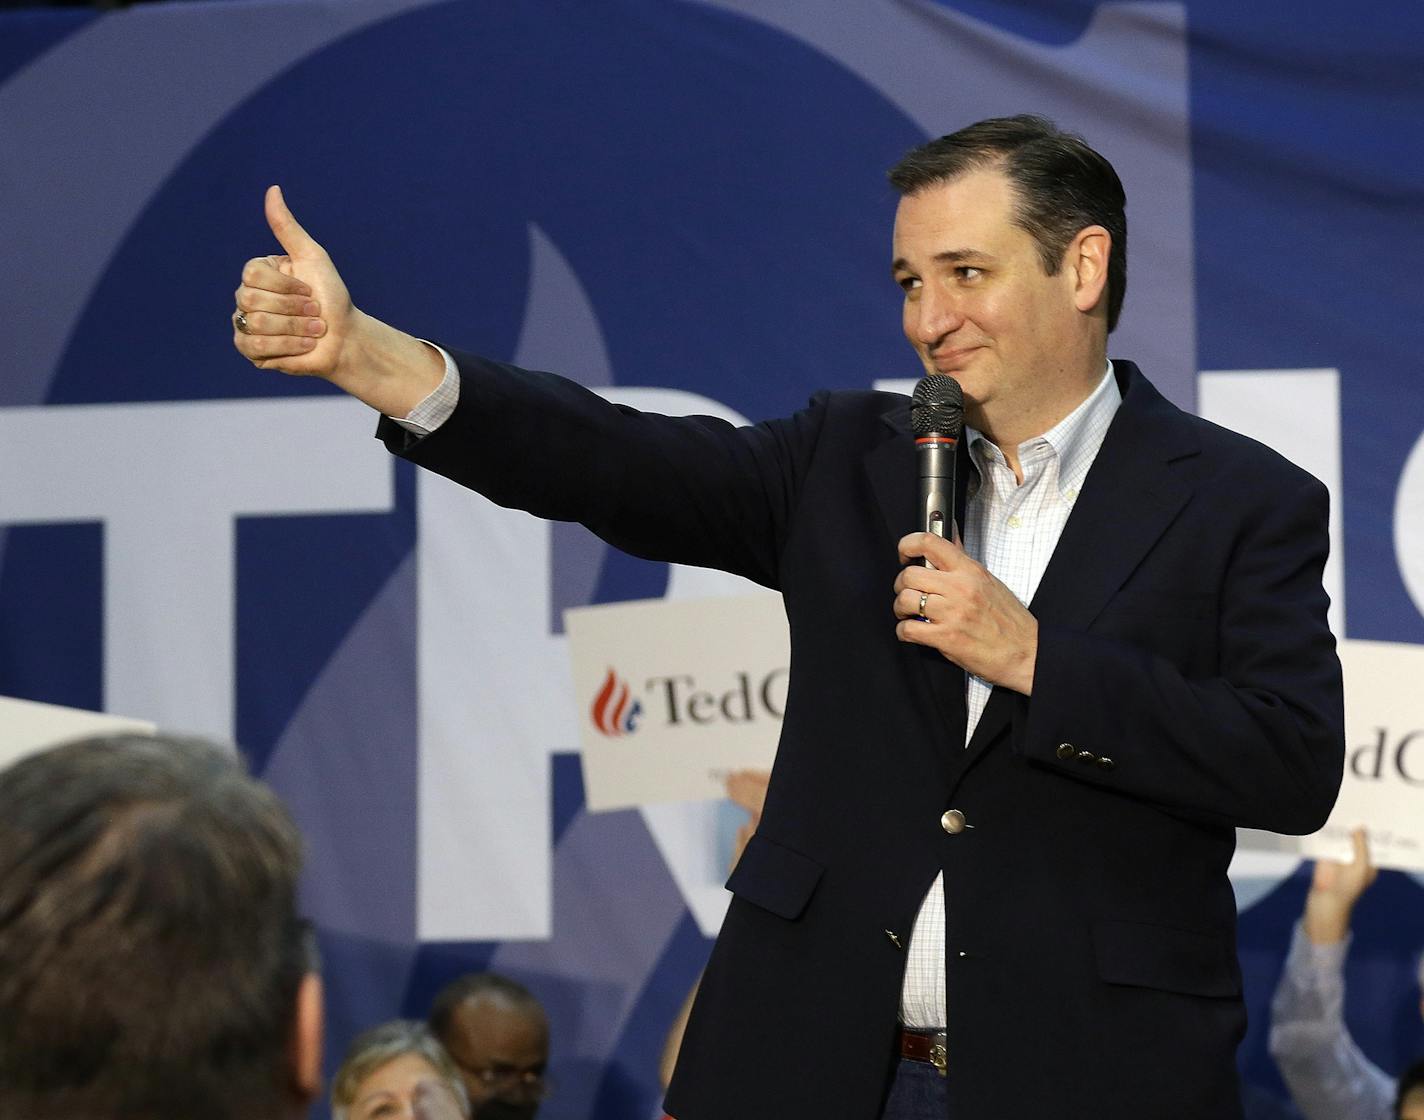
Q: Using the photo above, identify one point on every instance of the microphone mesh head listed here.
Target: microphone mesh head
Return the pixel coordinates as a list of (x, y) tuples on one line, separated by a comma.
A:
[(937, 406)]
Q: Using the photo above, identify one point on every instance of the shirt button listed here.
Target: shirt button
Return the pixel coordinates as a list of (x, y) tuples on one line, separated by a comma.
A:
[(952, 821), (1014, 522), (1070, 493)]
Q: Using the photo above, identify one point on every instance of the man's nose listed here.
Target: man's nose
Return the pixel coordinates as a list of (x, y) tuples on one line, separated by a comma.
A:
[(935, 314)]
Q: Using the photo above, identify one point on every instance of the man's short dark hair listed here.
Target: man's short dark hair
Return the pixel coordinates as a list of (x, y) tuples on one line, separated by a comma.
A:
[(1063, 186), (150, 950), (478, 985)]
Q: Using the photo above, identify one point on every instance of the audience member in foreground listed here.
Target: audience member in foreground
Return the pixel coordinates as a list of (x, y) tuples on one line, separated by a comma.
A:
[(152, 964), (1328, 1075), (398, 1071), (497, 1034)]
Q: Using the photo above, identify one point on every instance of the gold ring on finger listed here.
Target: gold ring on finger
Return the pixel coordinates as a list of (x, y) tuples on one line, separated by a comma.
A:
[(924, 598), (239, 320)]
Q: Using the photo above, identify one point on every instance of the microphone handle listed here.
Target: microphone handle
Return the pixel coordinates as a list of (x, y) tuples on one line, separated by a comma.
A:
[(937, 456)]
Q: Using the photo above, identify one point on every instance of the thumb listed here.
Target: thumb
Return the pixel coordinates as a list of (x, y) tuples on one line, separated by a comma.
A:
[(296, 241), (1360, 843), (937, 552)]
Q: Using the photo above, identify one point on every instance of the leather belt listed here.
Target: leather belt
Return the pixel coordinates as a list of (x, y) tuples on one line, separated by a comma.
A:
[(925, 1046)]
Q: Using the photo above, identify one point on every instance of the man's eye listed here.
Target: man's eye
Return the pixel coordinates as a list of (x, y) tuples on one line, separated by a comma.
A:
[(909, 283), (968, 272)]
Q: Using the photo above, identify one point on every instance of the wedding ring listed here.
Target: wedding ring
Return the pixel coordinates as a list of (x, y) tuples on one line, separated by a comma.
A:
[(924, 598), (239, 320)]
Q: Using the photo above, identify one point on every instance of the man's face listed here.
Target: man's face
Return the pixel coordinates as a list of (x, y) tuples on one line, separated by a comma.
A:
[(502, 1052), (1412, 1107), (980, 308)]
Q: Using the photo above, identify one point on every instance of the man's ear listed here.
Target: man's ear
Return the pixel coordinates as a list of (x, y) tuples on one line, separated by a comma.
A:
[(1087, 256), (308, 1024)]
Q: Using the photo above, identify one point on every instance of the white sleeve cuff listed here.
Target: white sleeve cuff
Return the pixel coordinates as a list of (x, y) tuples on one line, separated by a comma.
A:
[(435, 409)]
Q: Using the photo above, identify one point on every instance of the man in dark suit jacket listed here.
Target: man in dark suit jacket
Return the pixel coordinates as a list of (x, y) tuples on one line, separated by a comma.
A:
[(1171, 676)]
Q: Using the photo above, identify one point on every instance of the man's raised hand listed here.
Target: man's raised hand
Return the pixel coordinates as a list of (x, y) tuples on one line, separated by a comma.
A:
[(1335, 888), (294, 314), (293, 311)]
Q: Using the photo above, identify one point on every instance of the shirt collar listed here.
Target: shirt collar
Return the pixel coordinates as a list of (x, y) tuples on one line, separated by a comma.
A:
[(1075, 439)]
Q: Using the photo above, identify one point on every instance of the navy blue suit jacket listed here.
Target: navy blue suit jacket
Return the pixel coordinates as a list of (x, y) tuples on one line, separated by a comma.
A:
[(1186, 683)]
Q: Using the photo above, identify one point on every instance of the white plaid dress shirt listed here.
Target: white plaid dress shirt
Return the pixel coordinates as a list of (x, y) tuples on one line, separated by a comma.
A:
[(1011, 528)]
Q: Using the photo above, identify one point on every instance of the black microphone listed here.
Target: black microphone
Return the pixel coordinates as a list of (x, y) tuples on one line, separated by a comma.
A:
[(937, 419)]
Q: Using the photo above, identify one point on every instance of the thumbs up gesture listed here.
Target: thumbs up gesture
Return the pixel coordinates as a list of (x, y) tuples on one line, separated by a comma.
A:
[(293, 312), (294, 315)]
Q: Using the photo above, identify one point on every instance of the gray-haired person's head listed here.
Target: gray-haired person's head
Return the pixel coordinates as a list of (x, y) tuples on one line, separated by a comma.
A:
[(374, 1050)]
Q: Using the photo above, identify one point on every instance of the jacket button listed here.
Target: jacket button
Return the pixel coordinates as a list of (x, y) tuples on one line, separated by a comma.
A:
[(1066, 751), (1106, 763), (952, 821), (1087, 756)]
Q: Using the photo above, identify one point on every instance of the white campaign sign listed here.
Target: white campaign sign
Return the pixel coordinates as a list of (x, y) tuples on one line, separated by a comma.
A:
[(1384, 757), (672, 695), (27, 726), (1383, 789)]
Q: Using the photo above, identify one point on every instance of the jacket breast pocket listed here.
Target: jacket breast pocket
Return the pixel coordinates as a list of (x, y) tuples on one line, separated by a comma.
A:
[(1166, 958), (1181, 629), (1164, 603), (775, 877)]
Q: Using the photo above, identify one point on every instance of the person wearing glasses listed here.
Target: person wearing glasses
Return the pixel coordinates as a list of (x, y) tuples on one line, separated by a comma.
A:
[(398, 1071), (497, 1034)]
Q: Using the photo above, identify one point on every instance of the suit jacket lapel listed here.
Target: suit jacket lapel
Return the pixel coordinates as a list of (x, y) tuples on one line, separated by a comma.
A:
[(891, 468), (1130, 497)]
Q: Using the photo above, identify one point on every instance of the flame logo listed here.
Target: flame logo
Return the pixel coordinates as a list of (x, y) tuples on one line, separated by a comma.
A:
[(614, 710)]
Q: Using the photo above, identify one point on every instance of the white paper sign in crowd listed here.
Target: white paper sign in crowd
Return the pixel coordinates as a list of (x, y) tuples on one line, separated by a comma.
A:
[(27, 726), (1383, 788), (674, 695)]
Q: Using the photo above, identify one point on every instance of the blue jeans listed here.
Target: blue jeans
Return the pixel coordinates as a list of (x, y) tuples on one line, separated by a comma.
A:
[(917, 1093)]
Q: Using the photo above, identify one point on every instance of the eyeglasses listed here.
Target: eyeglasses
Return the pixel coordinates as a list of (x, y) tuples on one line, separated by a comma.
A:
[(531, 1082)]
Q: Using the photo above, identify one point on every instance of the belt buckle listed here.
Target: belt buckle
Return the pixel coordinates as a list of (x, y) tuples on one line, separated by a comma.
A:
[(939, 1055)]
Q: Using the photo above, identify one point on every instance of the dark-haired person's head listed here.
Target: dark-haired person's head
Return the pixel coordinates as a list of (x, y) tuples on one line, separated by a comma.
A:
[(1061, 187), (152, 962), (1010, 250), (497, 1034)]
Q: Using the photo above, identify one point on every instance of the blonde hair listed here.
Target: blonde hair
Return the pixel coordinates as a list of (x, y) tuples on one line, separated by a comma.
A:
[(374, 1048)]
